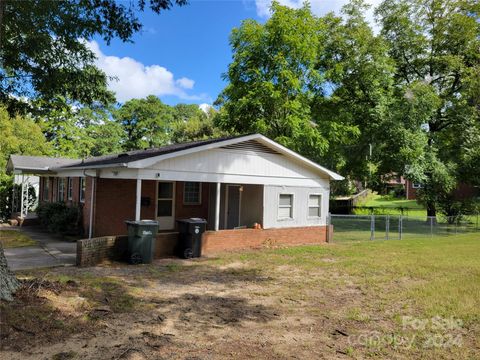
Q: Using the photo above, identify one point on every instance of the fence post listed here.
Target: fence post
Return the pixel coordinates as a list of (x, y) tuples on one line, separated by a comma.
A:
[(387, 226), (400, 227), (431, 226), (372, 227)]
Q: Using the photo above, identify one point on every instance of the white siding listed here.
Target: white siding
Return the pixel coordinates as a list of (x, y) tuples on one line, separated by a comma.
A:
[(236, 166), (300, 206)]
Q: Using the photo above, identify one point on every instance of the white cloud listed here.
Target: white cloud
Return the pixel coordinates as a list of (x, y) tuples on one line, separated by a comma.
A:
[(319, 7), (205, 107), (135, 80), (185, 83)]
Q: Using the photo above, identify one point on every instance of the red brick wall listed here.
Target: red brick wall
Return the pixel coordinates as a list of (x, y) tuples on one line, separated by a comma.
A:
[(410, 192), (115, 203), (217, 241), (187, 211)]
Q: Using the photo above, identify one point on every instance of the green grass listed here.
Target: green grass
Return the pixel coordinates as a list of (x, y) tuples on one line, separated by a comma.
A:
[(429, 277), (14, 239), (392, 205)]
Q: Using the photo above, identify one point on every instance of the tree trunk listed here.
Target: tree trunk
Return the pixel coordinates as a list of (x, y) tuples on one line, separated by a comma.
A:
[(8, 281)]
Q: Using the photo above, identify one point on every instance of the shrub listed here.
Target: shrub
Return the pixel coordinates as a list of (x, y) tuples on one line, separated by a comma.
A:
[(59, 218)]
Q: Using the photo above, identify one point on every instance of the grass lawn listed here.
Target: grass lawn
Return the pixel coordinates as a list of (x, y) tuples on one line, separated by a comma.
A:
[(15, 238), (392, 206), (417, 298)]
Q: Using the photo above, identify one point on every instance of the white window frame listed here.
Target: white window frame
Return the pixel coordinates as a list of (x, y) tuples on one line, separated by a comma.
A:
[(81, 190), (319, 207), (61, 189), (69, 188), (199, 193), (416, 185), (291, 217)]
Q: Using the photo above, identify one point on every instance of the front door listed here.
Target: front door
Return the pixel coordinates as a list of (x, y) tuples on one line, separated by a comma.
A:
[(233, 206), (166, 205)]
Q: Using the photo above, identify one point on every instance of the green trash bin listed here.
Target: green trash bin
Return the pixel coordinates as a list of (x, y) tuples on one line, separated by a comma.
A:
[(141, 241)]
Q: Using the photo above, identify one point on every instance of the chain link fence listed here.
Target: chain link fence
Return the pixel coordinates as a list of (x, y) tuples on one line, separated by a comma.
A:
[(398, 227)]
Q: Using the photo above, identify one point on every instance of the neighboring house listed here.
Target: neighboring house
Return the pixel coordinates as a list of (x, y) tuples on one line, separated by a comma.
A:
[(463, 191), (232, 182)]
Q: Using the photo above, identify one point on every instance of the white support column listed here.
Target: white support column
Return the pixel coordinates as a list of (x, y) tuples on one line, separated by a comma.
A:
[(21, 196), (138, 200), (217, 208)]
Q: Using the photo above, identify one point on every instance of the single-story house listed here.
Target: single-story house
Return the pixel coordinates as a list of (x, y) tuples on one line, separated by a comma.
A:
[(232, 182)]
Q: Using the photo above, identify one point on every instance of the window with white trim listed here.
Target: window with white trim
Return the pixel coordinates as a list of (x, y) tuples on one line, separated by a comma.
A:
[(82, 189), (61, 189), (314, 205), (69, 188), (192, 193), (285, 206), (417, 186)]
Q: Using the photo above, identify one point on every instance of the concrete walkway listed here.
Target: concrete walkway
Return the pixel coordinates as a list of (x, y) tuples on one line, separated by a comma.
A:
[(51, 251)]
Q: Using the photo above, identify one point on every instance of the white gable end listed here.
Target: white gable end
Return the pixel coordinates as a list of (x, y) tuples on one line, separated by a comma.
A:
[(243, 163)]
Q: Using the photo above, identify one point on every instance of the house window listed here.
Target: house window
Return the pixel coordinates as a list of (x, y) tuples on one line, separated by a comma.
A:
[(314, 205), (285, 206), (82, 189), (70, 188), (46, 181), (416, 185), (61, 189), (192, 193)]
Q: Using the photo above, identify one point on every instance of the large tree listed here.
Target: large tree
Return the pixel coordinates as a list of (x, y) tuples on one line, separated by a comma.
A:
[(435, 46), (146, 122), (45, 60), (272, 79)]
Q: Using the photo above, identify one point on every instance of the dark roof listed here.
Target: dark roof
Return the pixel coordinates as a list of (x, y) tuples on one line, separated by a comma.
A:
[(136, 155), (39, 163)]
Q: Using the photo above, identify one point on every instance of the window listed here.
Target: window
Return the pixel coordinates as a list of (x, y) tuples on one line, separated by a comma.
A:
[(82, 189), (416, 185), (61, 189), (46, 181), (285, 206), (192, 193), (165, 199), (69, 188), (314, 205)]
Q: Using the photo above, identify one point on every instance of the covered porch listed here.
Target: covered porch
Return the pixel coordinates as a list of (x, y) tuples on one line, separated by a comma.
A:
[(224, 206)]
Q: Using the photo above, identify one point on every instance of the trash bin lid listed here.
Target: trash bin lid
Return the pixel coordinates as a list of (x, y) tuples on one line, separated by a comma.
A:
[(141, 222), (192, 220)]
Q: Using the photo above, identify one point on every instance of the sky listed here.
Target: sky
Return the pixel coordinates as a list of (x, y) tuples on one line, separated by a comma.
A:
[(181, 54)]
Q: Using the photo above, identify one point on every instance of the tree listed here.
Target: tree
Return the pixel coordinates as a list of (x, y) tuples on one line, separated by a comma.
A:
[(272, 79), (435, 48), (44, 54), (354, 113), (83, 132), (194, 124), (146, 123)]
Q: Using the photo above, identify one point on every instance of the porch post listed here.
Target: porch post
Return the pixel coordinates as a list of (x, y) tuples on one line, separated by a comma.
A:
[(21, 195), (138, 200), (217, 208)]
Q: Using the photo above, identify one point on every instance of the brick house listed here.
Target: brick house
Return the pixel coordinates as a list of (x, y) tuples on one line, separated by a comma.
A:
[(232, 182), (462, 192)]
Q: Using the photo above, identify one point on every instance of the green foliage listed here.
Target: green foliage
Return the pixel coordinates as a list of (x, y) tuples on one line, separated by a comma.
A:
[(19, 135), (146, 122), (85, 132), (52, 65), (59, 218), (198, 126), (272, 80)]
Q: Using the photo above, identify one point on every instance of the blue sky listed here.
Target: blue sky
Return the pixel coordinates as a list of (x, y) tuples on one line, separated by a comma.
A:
[(181, 54)]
